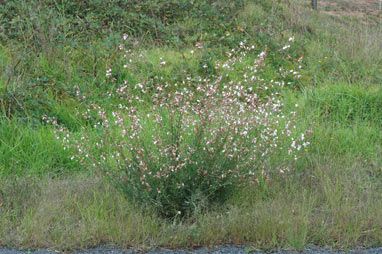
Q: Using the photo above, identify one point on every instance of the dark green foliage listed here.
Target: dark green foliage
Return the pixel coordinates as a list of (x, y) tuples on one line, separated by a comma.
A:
[(177, 22)]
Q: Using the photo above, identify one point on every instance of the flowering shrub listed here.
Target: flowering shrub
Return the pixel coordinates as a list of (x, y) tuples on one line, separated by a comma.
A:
[(178, 147)]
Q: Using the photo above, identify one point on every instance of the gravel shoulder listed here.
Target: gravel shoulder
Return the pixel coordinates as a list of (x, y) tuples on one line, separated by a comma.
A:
[(219, 250)]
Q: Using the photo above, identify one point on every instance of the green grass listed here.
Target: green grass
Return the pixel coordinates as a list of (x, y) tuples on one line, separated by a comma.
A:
[(347, 104), (31, 150), (330, 197)]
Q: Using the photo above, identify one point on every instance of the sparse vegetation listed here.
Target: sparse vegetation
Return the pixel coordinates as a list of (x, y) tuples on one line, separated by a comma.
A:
[(60, 58)]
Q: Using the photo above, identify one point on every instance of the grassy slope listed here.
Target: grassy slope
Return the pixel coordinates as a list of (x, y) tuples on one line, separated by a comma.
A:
[(329, 198)]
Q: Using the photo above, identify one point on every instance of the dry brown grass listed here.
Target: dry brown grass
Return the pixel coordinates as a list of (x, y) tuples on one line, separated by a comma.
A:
[(338, 207)]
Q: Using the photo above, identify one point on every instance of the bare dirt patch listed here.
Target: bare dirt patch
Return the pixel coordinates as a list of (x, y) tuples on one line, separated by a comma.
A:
[(366, 11)]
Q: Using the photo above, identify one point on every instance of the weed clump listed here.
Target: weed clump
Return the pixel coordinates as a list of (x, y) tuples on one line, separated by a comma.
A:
[(179, 147)]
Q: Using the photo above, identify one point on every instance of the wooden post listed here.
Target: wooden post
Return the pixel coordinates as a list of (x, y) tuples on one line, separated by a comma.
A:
[(314, 4)]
